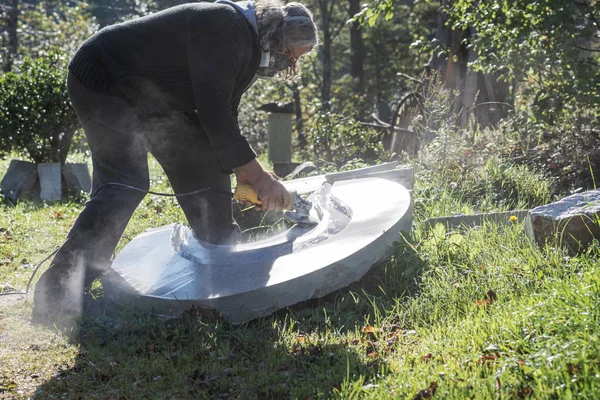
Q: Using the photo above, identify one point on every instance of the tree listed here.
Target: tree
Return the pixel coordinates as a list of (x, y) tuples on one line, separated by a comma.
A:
[(357, 48), (10, 17), (332, 17), (36, 117), (552, 45), (45, 27)]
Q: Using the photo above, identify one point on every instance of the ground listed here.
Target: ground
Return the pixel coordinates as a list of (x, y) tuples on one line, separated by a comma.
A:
[(479, 313)]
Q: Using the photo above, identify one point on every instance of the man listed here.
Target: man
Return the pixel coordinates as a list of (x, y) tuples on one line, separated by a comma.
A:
[(170, 84)]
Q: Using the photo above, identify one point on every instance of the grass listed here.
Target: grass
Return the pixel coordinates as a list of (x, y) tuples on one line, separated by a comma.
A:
[(481, 313)]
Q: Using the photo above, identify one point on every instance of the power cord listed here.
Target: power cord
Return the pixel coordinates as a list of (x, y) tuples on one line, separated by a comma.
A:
[(32, 275), (219, 191)]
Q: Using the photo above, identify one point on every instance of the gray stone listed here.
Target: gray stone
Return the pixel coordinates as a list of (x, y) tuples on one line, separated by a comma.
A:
[(280, 138), (77, 177), (304, 168), (50, 181), (361, 172), (404, 176), (572, 221), (166, 270), (283, 169), (19, 180)]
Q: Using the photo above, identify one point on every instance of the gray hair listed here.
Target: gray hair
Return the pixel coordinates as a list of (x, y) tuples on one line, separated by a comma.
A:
[(283, 27)]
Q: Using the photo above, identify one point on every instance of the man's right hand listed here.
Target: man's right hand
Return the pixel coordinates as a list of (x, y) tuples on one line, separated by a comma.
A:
[(273, 194)]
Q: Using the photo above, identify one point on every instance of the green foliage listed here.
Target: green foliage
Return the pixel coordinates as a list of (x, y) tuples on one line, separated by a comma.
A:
[(36, 117), (52, 26), (338, 140), (569, 152), (550, 45), (371, 12)]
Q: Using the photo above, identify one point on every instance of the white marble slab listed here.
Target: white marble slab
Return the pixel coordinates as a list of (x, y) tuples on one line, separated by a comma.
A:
[(166, 270)]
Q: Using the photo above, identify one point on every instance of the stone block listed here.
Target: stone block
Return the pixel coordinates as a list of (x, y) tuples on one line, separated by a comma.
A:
[(284, 169), (301, 170), (19, 181), (280, 138), (50, 181), (77, 177), (572, 221)]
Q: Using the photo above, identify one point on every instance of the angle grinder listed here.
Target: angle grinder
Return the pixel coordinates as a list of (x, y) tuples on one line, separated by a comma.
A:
[(298, 211)]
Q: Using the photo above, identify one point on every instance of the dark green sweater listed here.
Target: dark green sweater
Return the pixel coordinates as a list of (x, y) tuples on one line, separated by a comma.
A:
[(193, 57)]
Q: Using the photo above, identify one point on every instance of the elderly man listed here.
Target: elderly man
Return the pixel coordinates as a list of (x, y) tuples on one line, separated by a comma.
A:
[(170, 84)]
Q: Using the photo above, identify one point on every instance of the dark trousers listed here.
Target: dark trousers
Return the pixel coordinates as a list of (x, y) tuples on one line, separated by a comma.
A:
[(119, 139)]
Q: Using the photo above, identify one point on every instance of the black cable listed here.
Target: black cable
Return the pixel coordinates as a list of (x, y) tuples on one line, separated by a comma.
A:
[(219, 191), (32, 275)]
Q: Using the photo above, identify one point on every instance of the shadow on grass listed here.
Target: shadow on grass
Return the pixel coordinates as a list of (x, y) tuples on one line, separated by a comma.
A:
[(309, 350)]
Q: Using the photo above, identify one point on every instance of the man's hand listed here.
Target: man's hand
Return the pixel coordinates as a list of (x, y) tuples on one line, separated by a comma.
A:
[(274, 195)]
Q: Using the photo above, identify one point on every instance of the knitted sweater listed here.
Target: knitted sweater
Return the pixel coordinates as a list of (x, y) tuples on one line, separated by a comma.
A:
[(197, 57)]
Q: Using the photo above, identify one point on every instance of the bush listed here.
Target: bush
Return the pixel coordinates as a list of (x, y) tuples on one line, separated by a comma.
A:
[(569, 152), (337, 139), (36, 118)]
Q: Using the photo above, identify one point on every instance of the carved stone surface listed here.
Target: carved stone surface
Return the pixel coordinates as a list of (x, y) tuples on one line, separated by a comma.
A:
[(19, 180), (77, 177), (388, 171), (166, 270), (572, 221), (50, 181)]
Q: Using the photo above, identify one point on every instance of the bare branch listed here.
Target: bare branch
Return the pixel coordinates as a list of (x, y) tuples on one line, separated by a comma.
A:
[(410, 78), (338, 30), (331, 7), (586, 49)]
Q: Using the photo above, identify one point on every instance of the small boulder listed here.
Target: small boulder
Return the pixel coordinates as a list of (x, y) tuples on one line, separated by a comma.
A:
[(77, 177), (50, 181), (572, 221), (19, 181)]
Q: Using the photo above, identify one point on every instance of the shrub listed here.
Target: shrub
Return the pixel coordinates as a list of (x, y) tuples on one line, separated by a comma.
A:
[(36, 118), (337, 139)]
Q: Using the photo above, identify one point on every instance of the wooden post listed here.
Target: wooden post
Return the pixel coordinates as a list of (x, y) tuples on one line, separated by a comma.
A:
[(280, 138)]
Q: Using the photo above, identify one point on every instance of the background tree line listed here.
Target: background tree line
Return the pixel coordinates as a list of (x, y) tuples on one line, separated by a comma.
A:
[(529, 67)]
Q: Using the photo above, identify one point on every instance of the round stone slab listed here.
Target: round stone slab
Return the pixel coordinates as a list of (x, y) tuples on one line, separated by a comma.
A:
[(166, 270)]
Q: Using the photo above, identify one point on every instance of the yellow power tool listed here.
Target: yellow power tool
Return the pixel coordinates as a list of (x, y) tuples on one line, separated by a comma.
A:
[(297, 212)]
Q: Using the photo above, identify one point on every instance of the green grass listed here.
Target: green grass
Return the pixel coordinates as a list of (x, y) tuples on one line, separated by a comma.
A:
[(480, 313)]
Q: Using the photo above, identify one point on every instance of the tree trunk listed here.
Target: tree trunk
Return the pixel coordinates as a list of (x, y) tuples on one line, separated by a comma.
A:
[(384, 112), (13, 40), (357, 49), (302, 142), (326, 52), (480, 94)]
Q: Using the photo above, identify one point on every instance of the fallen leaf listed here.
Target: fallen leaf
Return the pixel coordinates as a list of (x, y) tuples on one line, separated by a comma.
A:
[(488, 358), (300, 339), (427, 357), (368, 329), (59, 214), (426, 393), (392, 339), (526, 392)]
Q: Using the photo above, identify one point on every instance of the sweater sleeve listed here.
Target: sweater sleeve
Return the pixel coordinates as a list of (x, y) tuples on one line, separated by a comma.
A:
[(215, 64)]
